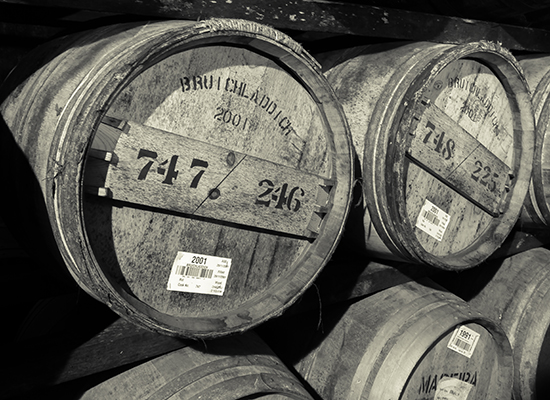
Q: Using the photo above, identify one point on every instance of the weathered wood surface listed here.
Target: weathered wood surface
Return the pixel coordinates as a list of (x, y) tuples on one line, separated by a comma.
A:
[(445, 145), (325, 16), (515, 293), (229, 186), (522, 239), (537, 204), (238, 367), (349, 275), (186, 78), (448, 151), (394, 344)]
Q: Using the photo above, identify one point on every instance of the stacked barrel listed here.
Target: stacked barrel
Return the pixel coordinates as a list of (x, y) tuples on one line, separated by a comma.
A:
[(313, 220)]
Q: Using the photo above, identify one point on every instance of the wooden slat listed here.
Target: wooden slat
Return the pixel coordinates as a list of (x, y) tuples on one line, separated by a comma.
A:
[(159, 169), (325, 16), (449, 152)]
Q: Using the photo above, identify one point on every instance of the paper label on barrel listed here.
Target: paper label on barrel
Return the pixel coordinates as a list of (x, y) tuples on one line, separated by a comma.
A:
[(452, 389), (433, 220), (464, 341), (198, 273)]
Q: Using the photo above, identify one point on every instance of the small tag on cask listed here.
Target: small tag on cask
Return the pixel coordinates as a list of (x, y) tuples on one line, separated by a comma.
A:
[(452, 389), (197, 273), (464, 341), (432, 220)]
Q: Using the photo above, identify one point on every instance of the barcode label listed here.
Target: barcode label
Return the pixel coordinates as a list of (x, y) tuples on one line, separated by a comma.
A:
[(462, 345), (198, 273), (433, 220), (430, 216), (190, 270), (464, 341)]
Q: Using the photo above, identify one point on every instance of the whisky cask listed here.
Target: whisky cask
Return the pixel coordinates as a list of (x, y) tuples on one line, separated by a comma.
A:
[(237, 367), (444, 135), (517, 297), (537, 203), (410, 341), (195, 175)]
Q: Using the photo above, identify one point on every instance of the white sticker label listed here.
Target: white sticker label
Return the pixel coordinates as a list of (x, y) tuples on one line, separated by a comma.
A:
[(433, 220), (463, 341), (452, 389), (197, 273)]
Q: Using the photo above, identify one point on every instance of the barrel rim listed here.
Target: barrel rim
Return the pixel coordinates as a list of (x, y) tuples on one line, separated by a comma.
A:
[(453, 312), (320, 250), (392, 210), (533, 274), (537, 205)]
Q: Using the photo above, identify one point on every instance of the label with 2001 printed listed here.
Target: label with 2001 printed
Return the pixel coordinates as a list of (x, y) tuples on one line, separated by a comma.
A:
[(198, 273), (433, 220)]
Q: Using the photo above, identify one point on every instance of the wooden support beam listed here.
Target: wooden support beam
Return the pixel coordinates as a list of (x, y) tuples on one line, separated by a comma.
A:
[(324, 16)]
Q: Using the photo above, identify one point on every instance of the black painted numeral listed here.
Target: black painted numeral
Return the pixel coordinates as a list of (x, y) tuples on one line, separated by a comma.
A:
[(279, 196), (168, 167), (198, 163), (145, 170), (169, 174), (485, 176), (443, 147), (260, 200)]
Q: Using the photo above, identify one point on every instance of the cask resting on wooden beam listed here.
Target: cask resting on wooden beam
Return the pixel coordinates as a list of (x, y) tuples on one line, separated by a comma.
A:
[(444, 135), (196, 175), (237, 367), (411, 341), (515, 292)]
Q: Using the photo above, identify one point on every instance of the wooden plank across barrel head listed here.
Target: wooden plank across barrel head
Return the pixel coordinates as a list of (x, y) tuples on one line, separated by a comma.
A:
[(445, 138), (197, 175), (206, 180), (453, 164)]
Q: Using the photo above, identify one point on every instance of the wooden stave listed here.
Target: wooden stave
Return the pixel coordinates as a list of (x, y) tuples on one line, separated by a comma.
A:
[(100, 286), (235, 367), (373, 347), (384, 236), (536, 212), (515, 296)]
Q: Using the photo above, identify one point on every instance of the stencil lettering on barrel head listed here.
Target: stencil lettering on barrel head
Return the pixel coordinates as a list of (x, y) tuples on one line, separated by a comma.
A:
[(451, 154), (159, 169)]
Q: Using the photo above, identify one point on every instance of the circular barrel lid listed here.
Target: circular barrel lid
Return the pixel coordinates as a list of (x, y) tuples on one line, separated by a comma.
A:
[(206, 171), (448, 146)]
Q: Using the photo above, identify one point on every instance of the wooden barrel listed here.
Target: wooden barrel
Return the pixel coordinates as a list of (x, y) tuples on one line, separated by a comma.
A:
[(444, 135), (517, 297), (410, 341), (196, 175), (237, 367), (537, 203)]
